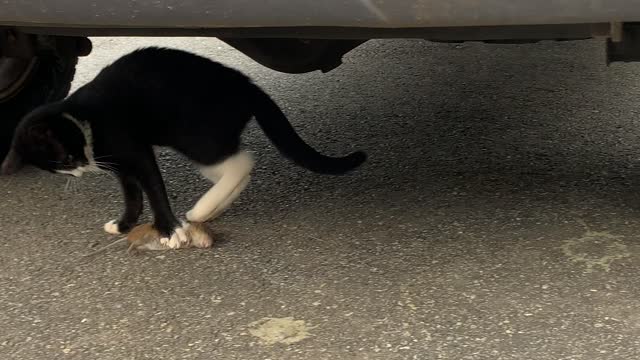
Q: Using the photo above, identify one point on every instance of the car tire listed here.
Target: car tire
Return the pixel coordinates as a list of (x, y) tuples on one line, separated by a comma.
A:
[(28, 83)]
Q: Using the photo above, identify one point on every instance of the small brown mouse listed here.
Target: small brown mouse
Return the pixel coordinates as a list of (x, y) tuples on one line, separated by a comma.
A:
[(144, 237)]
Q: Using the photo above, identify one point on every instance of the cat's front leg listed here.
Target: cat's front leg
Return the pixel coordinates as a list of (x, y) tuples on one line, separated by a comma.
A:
[(148, 175), (133, 203), (174, 233)]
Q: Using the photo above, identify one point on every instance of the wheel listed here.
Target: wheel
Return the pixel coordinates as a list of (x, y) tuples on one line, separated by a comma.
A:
[(27, 83)]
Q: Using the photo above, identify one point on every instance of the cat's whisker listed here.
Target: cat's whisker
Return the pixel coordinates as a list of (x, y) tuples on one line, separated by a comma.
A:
[(94, 169), (106, 165), (70, 186), (113, 176), (105, 169), (109, 170)]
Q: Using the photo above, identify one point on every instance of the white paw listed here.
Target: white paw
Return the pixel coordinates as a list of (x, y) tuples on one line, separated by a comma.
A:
[(177, 239), (164, 241), (112, 227)]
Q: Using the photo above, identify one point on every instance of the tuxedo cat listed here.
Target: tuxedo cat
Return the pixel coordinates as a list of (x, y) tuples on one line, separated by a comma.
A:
[(162, 97)]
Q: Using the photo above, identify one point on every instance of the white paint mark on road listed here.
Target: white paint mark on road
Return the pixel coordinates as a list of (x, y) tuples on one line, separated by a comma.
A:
[(595, 249), (272, 331)]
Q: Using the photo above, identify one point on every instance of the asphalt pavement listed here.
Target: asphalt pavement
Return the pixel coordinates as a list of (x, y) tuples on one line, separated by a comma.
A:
[(497, 218)]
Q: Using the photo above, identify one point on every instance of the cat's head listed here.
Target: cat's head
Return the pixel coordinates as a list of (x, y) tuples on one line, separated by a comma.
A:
[(51, 140)]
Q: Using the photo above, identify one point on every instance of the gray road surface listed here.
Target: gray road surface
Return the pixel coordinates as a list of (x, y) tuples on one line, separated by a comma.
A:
[(496, 219)]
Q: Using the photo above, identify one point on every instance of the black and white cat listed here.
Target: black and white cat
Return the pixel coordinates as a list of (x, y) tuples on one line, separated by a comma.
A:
[(162, 97)]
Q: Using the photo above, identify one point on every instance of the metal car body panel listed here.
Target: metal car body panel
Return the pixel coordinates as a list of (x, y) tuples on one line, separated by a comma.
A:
[(311, 13)]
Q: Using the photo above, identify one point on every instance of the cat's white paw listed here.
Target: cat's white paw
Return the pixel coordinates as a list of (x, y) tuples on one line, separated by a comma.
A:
[(112, 227), (177, 239)]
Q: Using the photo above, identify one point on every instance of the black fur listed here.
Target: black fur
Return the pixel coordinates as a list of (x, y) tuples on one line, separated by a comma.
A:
[(160, 97)]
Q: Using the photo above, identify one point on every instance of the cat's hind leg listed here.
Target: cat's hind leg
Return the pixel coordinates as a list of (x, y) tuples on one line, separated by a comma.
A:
[(231, 198), (230, 176)]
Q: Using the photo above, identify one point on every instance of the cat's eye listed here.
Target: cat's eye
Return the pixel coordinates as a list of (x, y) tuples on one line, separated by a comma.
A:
[(68, 159)]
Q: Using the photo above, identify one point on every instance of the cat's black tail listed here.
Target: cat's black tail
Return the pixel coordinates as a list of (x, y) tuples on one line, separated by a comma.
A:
[(278, 129)]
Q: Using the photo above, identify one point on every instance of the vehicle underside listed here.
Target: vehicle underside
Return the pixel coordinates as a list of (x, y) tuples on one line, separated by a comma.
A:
[(40, 42), (306, 49)]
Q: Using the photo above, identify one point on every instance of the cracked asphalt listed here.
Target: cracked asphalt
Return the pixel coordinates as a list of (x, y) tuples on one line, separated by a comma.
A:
[(497, 218)]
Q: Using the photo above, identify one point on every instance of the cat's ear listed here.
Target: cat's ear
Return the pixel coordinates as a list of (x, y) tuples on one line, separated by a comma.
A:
[(11, 164)]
